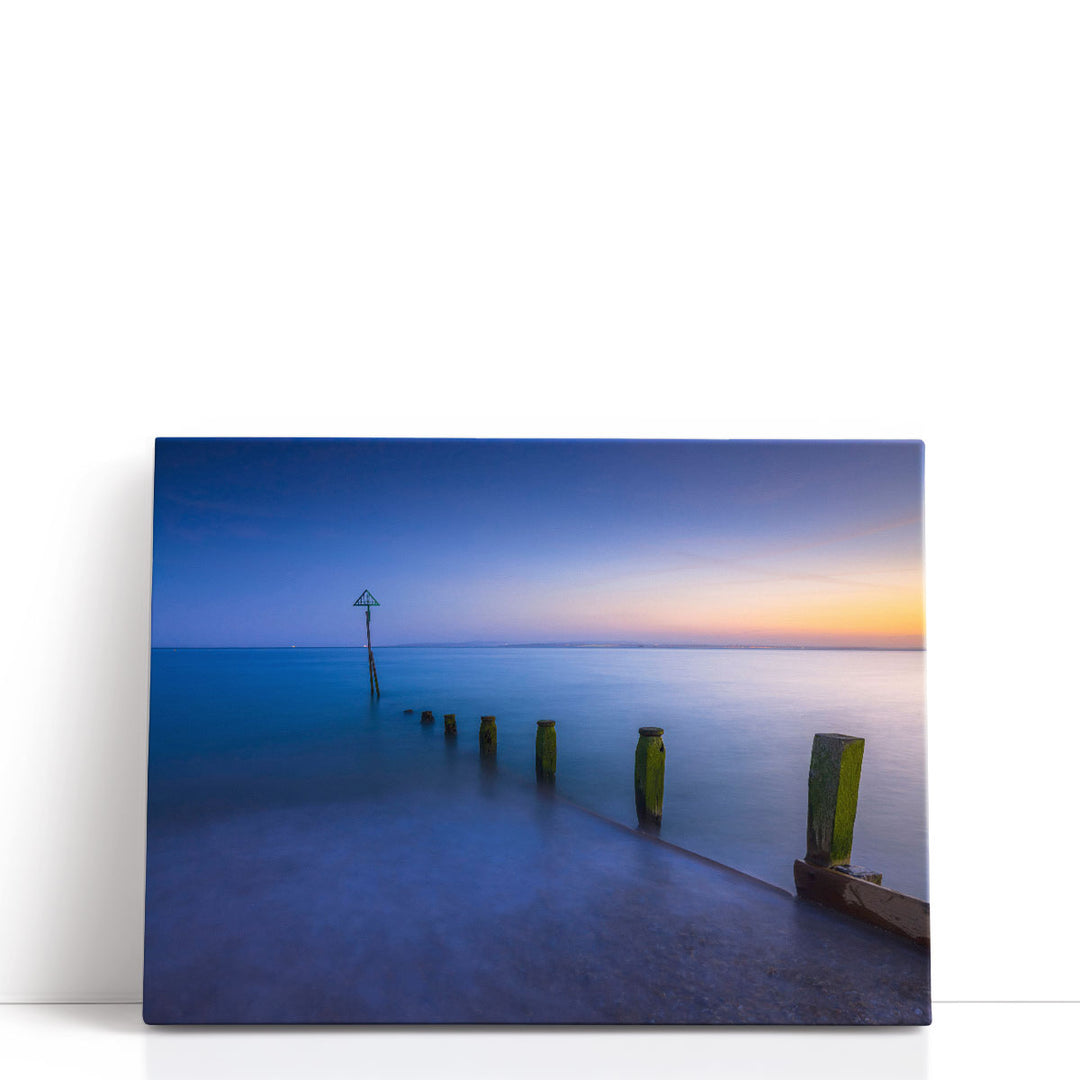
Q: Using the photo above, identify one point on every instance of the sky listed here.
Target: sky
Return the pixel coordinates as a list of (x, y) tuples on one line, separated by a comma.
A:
[(267, 542)]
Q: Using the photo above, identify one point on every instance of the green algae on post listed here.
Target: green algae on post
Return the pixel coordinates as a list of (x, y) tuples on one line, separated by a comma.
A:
[(649, 776), (488, 736), (427, 717), (450, 724), (545, 750), (833, 796)]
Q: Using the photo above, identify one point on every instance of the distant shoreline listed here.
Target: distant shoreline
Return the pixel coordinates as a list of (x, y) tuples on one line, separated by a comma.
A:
[(555, 645)]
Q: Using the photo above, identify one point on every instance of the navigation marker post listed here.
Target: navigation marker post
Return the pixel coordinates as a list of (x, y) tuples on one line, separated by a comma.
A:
[(367, 602)]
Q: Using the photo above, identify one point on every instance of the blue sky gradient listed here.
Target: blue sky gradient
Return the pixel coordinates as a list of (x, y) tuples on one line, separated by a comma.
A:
[(264, 542)]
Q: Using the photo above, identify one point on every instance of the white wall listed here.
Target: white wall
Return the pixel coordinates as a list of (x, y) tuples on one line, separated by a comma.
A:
[(574, 218)]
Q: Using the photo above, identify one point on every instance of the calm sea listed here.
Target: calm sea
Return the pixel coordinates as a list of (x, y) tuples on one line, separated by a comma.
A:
[(240, 730)]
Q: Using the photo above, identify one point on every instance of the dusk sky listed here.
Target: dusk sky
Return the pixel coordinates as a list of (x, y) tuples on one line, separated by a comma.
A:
[(268, 542)]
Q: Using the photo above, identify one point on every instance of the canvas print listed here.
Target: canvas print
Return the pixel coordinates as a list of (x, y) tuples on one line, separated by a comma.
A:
[(467, 731)]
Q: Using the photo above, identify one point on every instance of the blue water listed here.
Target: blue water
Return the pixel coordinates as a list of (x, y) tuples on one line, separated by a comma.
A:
[(235, 731)]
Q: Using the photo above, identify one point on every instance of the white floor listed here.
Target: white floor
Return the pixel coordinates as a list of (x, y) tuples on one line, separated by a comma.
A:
[(110, 1041)]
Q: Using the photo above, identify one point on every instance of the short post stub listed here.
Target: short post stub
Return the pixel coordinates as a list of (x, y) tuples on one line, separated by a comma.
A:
[(427, 717), (835, 767), (649, 777), (450, 724), (488, 736), (545, 751)]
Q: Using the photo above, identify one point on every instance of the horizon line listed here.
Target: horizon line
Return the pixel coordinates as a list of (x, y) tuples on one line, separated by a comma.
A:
[(564, 645)]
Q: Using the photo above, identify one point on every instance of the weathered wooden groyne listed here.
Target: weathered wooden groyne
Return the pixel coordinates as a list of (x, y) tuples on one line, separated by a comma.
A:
[(824, 875)]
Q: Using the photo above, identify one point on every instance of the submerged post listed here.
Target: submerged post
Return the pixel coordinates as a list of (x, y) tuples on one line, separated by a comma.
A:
[(427, 717), (545, 751), (488, 736), (835, 767), (450, 725), (649, 777)]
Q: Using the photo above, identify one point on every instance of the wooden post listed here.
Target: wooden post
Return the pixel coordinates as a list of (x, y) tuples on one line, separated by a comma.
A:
[(427, 717), (545, 751), (835, 766), (373, 675), (488, 736), (826, 875), (649, 777), (450, 725)]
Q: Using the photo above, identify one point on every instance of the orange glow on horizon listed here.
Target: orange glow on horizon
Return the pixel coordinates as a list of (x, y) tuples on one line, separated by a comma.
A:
[(883, 616)]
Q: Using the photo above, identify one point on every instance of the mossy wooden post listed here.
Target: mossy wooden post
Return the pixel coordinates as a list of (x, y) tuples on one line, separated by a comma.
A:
[(835, 766), (427, 717), (450, 725), (487, 736), (545, 751), (649, 776)]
